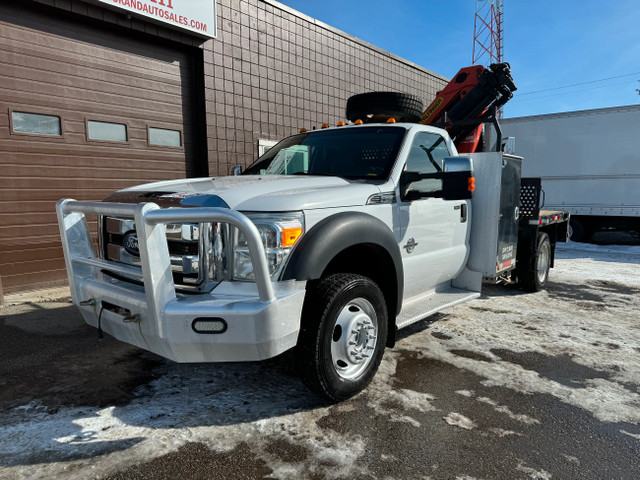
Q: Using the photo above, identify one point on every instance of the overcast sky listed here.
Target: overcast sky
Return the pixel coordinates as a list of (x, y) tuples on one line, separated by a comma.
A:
[(551, 45)]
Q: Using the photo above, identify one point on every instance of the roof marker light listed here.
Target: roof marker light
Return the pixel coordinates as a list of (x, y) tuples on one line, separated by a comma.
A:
[(391, 120), (358, 122), (302, 130), (341, 124), (325, 125)]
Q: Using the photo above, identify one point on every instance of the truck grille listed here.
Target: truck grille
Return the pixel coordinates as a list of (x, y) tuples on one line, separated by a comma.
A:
[(120, 244)]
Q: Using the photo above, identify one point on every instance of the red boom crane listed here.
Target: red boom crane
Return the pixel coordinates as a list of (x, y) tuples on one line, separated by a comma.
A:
[(470, 99)]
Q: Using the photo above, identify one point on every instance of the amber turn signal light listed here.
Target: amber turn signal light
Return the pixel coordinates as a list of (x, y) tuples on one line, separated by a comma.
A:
[(471, 185), (290, 236)]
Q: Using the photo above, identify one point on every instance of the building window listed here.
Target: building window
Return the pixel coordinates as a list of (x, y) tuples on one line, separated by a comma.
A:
[(164, 137), (112, 132), (264, 146), (36, 123)]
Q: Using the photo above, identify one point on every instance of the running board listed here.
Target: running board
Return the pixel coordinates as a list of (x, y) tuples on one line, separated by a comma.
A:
[(432, 302)]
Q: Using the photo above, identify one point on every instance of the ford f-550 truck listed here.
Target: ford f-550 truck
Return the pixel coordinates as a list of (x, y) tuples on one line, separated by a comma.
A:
[(328, 244)]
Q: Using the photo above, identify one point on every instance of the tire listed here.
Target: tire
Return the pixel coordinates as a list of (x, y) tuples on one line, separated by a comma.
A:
[(380, 106), (343, 335), (536, 273), (576, 230)]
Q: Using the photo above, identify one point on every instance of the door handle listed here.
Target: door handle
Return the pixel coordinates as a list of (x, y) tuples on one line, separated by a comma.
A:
[(463, 212)]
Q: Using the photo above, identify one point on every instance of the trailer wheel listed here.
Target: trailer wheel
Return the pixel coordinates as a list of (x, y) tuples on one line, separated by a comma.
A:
[(535, 275), (342, 337), (580, 231), (380, 106), (576, 230)]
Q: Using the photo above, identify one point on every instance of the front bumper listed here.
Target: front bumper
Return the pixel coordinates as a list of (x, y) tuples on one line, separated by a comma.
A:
[(262, 318)]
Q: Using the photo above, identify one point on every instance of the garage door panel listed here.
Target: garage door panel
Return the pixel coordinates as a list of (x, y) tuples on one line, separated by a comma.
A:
[(15, 53), (78, 184), (16, 234), (80, 41), (46, 264), (106, 82), (85, 99), (164, 161), (34, 278), (80, 70), (26, 195), (55, 174), (21, 220), (44, 252), (79, 110)]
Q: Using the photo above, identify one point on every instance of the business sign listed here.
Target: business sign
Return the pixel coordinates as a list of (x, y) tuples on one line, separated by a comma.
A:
[(197, 16)]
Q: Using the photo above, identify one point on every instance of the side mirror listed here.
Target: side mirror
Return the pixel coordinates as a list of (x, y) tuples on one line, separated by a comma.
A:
[(458, 182), (237, 170), (454, 182)]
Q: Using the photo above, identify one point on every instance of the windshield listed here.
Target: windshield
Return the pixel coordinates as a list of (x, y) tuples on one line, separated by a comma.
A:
[(353, 153)]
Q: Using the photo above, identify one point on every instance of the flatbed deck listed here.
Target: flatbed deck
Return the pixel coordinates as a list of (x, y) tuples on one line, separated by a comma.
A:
[(548, 217)]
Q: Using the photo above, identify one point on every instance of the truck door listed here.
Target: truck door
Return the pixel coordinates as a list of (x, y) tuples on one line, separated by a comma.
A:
[(432, 232)]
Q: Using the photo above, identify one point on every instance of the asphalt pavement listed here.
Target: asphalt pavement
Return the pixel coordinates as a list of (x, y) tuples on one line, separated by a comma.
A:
[(509, 386)]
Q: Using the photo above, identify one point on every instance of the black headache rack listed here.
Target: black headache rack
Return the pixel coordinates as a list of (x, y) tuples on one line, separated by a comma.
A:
[(532, 213)]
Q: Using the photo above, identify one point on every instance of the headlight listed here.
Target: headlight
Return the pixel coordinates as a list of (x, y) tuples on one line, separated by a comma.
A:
[(279, 233)]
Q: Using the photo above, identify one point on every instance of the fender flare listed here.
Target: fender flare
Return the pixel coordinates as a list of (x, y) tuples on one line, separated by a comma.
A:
[(320, 245)]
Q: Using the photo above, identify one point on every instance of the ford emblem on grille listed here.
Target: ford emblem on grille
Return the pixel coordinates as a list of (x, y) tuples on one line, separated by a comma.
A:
[(130, 243)]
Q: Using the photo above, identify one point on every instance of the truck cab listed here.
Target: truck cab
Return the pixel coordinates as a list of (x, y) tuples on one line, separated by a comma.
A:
[(432, 233)]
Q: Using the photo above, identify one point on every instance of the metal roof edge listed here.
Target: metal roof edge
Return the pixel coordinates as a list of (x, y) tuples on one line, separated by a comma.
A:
[(592, 111)]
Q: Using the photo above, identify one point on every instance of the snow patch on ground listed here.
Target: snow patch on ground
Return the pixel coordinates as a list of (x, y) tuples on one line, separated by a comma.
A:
[(533, 473), (572, 459), (501, 432), (504, 409), (632, 435), (459, 420), (569, 319)]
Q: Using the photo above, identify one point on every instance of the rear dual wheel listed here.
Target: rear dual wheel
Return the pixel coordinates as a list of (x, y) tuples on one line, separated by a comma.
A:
[(534, 275), (343, 335)]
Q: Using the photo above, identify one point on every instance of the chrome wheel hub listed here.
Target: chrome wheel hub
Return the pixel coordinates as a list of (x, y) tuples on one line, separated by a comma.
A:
[(542, 264), (354, 338)]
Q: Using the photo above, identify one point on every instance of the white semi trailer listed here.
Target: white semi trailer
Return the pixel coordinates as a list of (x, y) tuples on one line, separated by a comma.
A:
[(589, 162)]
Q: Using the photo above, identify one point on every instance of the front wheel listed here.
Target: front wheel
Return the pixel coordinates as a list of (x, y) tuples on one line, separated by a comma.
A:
[(343, 334)]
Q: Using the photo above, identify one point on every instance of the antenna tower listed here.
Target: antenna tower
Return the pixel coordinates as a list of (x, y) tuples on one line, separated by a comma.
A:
[(487, 32)]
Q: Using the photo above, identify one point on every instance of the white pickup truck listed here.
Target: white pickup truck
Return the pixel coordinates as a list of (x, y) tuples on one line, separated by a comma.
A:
[(329, 243)]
